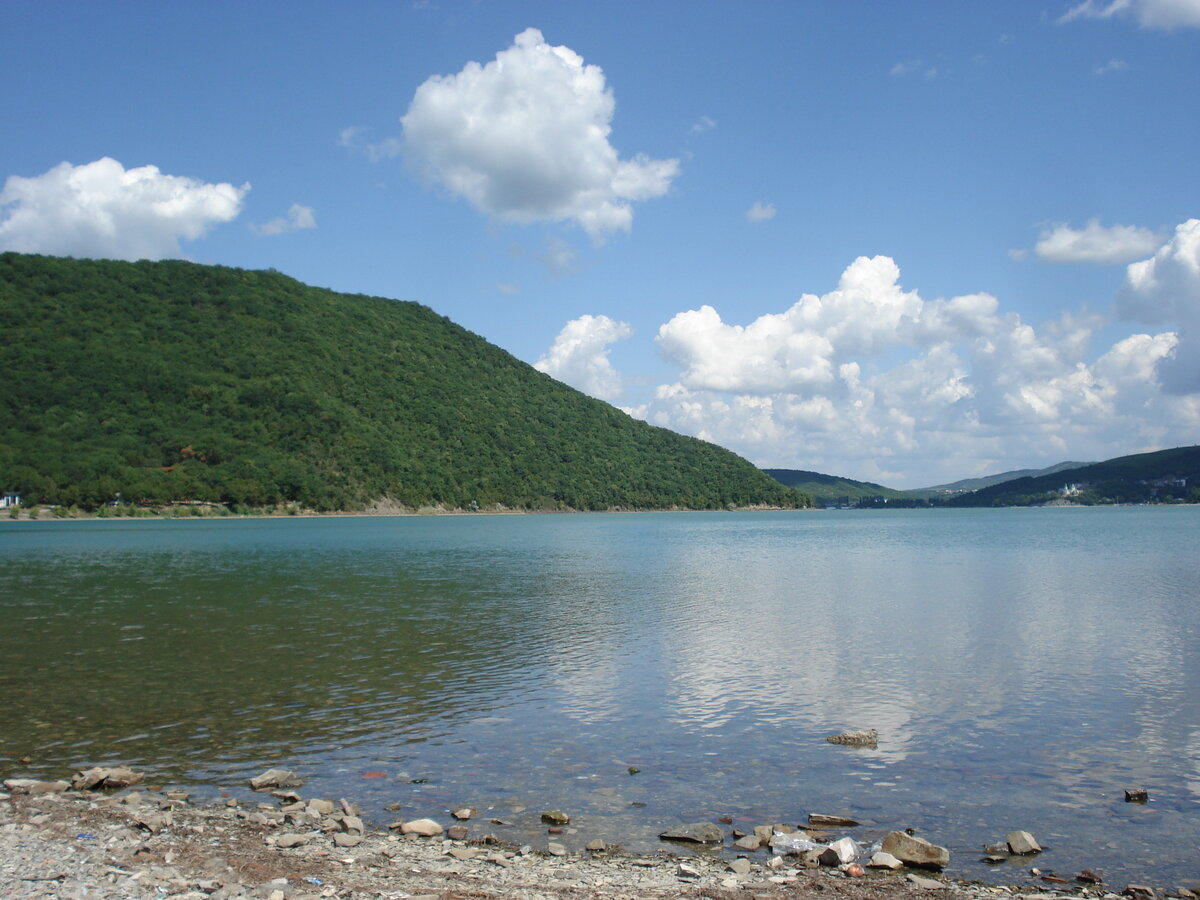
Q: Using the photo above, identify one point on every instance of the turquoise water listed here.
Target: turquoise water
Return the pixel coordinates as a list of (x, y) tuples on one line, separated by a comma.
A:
[(1022, 667)]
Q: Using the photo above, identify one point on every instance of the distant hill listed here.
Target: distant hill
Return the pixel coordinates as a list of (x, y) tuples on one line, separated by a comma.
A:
[(170, 381), (975, 484), (831, 490), (1161, 476)]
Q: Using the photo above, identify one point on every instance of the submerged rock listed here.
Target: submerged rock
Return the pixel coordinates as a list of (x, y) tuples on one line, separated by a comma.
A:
[(1136, 795), (556, 817), (696, 832), (818, 820), (867, 737), (915, 851)]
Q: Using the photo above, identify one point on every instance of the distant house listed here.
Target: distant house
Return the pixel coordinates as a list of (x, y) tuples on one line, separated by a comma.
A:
[(10, 499)]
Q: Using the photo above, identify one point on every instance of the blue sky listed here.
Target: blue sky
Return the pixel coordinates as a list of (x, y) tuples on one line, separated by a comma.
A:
[(904, 242)]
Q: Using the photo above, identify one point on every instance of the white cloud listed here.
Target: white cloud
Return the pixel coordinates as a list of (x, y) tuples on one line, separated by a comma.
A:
[(1149, 13), (760, 212), (559, 257), (100, 209), (704, 124), (298, 218), (525, 138), (1113, 65), (1165, 289), (579, 355), (873, 381), (907, 67), (508, 288), (1095, 243), (354, 137)]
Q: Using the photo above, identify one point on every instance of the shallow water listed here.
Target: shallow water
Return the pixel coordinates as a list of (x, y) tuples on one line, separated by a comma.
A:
[(1023, 667)]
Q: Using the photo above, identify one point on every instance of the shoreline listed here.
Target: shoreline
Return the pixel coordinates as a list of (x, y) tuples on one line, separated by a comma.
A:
[(143, 842)]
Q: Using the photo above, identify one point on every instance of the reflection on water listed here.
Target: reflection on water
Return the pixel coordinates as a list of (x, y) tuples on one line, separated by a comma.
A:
[(1022, 667)]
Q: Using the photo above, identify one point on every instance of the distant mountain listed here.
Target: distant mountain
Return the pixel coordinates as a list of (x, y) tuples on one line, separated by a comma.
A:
[(832, 490), (170, 381), (975, 484), (1162, 476)]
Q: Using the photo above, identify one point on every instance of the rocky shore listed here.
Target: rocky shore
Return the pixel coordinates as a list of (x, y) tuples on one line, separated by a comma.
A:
[(105, 835)]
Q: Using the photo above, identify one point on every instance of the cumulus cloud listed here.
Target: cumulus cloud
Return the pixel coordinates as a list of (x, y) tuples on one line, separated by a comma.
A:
[(298, 218), (579, 355), (1165, 289), (101, 209), (1094, 243), (873, 381), (760, 212), (525, 138), (1149, 13)]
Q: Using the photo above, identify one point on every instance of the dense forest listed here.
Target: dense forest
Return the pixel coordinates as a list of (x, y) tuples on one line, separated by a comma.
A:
[(162, 382), (833, 490)]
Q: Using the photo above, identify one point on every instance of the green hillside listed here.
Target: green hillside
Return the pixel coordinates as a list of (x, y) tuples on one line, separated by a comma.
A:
[(171, 381), (832, 490), (1163, 476)]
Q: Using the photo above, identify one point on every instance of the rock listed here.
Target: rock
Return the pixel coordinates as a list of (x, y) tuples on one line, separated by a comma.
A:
[(775, 862), (882, 860), (696, 833), (687, 871), (928, 884), (867, 737), (555, 817), (822, 821), (1089, 876), (456, 833), (763, 833), (462, 854), (98, 778), (153, 822), (1139, 892), (275, 778), (1022, 843), (321, 807), (1136, 795), (740, 866), (422, 827), (915, 851), (846, 850), (997, 849), (34, 787), (749, 842), (463, 814), (809, 859), (556, 849), (286, 841), (347, 839), (854, 870), (353, 824), (597, 846)]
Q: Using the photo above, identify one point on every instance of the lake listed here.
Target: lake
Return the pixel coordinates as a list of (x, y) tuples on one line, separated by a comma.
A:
[(1023, 668)]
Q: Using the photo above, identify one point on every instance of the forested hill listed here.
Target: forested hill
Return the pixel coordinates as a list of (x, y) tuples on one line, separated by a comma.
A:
[(833, 489), (1162, 476), (166, 381)]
